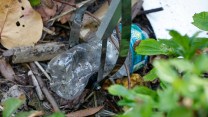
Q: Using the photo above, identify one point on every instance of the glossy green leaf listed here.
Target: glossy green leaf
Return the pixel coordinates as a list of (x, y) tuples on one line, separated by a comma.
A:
[(179, 39), (200, 20), (151, 75), (182, 42), (169, 42), (174, 49), (152, 47), (10, 106)]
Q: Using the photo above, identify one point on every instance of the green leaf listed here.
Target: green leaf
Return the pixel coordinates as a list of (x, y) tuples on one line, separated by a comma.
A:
[(152, 47), (173, 47), (128, 103), (57, 114), (182, 65), (163, 85), (199, 43), (180, 86), (146, 91), (200, 20), (180, 112), (34, 2), (169, 42), (10, 106), (140, 110), (119, 90), (165, 71), (151, 75), (157, 114), (168, 99), (182, 42), (200, 63), (132, 112)]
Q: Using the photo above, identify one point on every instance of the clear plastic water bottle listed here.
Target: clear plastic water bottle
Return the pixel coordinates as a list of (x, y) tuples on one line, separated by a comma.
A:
[(72, 69)]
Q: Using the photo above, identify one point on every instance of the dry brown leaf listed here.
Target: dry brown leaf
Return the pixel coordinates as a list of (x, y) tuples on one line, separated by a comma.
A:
[(66, 18), (85, 112), (36, 114), (6, 70), (20, 25), (49, 9), (136, 80), (89, 24)]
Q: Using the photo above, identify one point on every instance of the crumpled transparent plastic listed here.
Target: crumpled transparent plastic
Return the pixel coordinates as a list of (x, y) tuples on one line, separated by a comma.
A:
[(72, 69)]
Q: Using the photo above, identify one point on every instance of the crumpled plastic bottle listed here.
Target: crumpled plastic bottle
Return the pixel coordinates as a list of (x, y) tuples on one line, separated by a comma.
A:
[(72, 69)]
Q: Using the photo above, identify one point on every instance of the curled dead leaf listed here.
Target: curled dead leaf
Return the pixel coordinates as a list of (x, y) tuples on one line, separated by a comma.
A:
[(20, 25), (85, 112), (50, 8)]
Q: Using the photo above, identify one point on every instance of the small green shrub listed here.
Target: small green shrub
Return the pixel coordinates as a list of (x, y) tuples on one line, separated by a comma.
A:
[(183, 88), (184, 91)]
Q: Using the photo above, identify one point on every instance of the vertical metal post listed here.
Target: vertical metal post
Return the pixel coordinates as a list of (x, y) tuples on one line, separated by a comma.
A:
[(117, 7), (105, 30)]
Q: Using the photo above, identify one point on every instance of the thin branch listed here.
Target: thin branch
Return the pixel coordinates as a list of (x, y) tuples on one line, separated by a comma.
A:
[(75, 6), (62, 14), (126, 67), (89, 96), (63, 2), (44, 89), (128, 74), (95, 100), (49, 31), (37, 86), (41, 69)]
